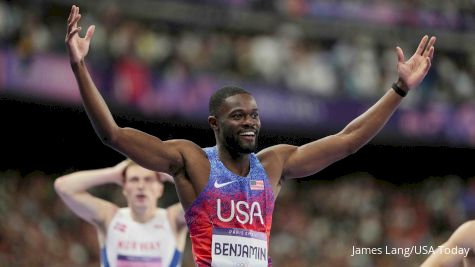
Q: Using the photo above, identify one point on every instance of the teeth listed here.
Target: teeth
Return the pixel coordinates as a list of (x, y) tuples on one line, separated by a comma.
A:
[(248, 133)]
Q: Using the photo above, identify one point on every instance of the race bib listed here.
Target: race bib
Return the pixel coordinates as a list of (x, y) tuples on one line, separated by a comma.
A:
[(137, 261), (233, 247)]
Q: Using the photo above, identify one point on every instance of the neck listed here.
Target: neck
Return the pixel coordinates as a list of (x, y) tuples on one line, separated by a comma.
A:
[(143, 216), (238, 163)]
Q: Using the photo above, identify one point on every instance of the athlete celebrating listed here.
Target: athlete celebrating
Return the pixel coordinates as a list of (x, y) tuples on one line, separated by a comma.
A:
[(228, 191)]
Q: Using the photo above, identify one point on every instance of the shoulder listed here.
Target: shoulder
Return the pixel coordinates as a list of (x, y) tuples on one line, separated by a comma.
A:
[(161, 212), (273, 159), (185, 146), (176, 216), (120, 213), (175, 211), (110, 215), (277, 152)]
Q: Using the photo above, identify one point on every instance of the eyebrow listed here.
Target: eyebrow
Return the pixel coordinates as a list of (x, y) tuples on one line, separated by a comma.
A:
[(242, 110)]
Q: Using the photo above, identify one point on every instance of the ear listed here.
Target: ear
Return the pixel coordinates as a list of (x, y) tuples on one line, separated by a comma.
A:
[(161, 189), (213, 122)]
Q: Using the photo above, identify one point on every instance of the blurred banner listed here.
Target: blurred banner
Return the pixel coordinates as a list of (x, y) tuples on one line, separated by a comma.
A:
[(49, 77)]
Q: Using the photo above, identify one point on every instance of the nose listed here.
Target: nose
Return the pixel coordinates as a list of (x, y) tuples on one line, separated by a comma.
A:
[(141, 184), (250, 121)]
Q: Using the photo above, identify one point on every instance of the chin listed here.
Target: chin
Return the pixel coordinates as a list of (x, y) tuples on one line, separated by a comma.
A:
[(141, 206), (247, 149), (238, 146)]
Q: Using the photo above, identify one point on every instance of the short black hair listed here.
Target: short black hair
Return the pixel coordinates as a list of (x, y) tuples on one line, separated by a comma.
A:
[(219, 96)]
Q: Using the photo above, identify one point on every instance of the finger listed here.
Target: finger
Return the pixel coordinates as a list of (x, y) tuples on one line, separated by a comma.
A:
[(73, 32), (429, 46), (431, 53), (74, 23), (400, 55), (76, 13), (76, 19), (427, 66), (71, 14), (90, 32), (422, 45)]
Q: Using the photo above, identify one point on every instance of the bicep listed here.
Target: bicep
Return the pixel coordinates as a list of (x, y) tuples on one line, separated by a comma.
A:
[(310, 158), (92, 209), (148, 150)]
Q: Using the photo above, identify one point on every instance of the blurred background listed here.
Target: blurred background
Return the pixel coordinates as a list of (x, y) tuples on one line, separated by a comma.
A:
[(313, 65)]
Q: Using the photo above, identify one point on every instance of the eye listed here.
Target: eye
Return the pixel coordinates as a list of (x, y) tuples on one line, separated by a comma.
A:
[(149, 179), (237, 116), (255, 115)]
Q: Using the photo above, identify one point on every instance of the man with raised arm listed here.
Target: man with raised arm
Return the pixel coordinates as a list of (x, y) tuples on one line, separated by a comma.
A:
[(140, 234), (228, 191)]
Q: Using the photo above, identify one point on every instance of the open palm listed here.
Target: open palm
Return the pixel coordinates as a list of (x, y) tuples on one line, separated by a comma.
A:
[(77, 46), (413, 71)]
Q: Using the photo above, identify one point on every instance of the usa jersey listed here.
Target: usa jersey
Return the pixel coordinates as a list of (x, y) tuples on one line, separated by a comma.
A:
[(230, 221), (132, 244)]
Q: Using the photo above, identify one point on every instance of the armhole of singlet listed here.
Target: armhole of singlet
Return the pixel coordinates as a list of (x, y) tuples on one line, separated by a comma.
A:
[(176, 258), (104, 259), (208, 184)]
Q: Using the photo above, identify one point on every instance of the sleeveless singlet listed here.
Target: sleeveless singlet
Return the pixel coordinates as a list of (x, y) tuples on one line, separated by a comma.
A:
[(230, 221), (132, 244)]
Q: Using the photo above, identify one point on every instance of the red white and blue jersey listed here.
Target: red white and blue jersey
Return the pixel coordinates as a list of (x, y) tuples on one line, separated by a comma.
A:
[(230, 221)]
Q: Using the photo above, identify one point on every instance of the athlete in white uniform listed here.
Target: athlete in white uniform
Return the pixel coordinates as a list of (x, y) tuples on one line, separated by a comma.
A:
[(139, 235)]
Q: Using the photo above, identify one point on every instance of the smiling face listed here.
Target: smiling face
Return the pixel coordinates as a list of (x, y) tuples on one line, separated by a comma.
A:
[(237, 124), (141, 188)]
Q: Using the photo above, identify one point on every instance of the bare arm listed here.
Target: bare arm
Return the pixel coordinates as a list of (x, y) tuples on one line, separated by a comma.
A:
[(145, 149), (176, 216), (461, 238), (312, 157), (72, 189), (175, 211)]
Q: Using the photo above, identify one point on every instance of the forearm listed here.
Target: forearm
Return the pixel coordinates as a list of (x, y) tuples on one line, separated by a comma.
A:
[(94, 104), (367, 125), (81, 181), (143, 148)]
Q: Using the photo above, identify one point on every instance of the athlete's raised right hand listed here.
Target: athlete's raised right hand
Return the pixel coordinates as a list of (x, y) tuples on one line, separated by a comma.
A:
[(77, 46)]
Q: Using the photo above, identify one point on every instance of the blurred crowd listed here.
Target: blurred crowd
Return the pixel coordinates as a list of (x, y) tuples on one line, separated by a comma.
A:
[(136, 60), (316, 223), (321, 224), (457, 15)]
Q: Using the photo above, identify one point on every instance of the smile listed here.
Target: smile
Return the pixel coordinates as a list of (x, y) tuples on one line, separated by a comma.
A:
[(251, 134)]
